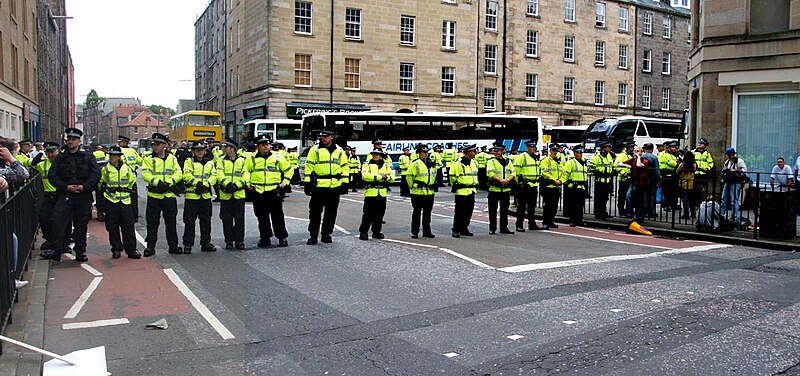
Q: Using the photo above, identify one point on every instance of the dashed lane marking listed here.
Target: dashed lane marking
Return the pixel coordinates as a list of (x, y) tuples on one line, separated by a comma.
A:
[(140, 238), (410, 243), (94, 324), (468, 259), (92, 270), (198, 305), (76, 308), (340, 228)]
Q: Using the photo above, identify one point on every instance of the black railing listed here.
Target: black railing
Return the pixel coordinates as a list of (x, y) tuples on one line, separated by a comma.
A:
[(19, 206)]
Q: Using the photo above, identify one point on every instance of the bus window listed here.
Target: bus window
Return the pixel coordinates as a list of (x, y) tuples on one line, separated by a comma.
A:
[(288, 131), (203, 120), (641, 130), (625, 130), (670, 130)]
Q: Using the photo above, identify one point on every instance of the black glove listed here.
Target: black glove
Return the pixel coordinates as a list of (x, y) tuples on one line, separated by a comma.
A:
[(200, 188), (343, 189), (231, 188), (163, 187), (307, 189), (37, 159)]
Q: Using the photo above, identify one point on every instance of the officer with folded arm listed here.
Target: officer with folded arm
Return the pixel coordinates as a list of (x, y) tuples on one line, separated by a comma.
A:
[(529, 173), (232, 179), (326, 175), (376, 175), (421, 178), (464, 177), (117, 180), (161, 173), (199, 175), (270, 174)]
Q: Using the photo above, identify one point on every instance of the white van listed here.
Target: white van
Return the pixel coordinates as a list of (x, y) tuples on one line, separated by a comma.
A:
[(641, 129)]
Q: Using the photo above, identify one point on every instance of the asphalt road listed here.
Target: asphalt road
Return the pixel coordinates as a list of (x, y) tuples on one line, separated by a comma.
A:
[(573, 300)]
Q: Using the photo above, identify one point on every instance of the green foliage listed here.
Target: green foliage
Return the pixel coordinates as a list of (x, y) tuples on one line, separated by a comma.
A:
[(92, 98), (157, 109)]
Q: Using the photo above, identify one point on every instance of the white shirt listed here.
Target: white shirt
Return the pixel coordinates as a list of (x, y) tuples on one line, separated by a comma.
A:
[(797, 165), (730, 165), (782, 176)]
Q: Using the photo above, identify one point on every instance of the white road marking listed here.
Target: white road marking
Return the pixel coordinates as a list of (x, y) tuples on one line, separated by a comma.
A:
[(468, 259), (570, 322), (92, 270), (656, 301), (451, 354), (607, 240), (94, 324), (340, 228), (140, 238), (615, 310), (596, 230), (198, 305), (599, 260), (410, 243), (69, 256), (690, 292), (296, 218), (515, 337), (76, 308), (351, 200), (451, 217)]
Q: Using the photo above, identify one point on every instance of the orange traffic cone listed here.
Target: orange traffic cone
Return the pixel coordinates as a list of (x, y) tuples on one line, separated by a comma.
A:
[(636, 228)]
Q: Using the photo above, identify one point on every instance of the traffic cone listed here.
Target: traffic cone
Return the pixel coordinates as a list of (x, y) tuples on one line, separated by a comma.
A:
[(636, 228)]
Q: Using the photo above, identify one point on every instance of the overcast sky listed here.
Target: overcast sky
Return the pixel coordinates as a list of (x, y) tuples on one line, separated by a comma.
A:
[(141, 48)]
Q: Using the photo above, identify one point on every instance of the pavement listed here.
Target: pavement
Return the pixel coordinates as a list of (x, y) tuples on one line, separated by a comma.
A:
[(572, 300)]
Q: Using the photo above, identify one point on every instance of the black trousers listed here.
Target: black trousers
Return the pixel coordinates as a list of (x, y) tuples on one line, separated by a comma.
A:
[(295, 177), (550, 198), (483, 180), (574, 202), (46, 215), (602, 192), (135, 201), (322, 199), (502, 199), (270, 204), (373, 212), (622, 197), (440, 177), (463, 213), (119, 219), (192, 210), (670, 191), (156, 208), (100, 202), (75, 209), (405, 190), (526, 205), (231, 212), (423, 206)]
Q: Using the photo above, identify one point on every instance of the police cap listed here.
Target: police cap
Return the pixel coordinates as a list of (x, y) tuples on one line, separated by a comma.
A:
[(703, 141), (49, 145), (553, 146), (578, 149), (263, 138), (473, 147), (198, 145), (115, 150), (531, 143), (230, 142), (159, 138), (325, 133), (123, 138), (73, 132), (422, 148)]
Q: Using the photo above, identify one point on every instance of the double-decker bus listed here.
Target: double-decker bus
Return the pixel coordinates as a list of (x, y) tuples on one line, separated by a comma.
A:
[(196, 125), (285, 131)]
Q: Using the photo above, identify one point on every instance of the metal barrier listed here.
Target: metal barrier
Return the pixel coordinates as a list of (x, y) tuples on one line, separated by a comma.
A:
[(19, 206)]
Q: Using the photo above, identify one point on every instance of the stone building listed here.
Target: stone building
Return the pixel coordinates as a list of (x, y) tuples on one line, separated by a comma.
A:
[(745, 79), (19, 99), (210, 57), (55, 71), (137, 122)]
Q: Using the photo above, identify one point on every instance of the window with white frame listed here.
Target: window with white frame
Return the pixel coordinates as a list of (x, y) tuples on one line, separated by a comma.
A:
[(666, 63), (622, 97), (406, 77), (647, 20), (599, 93), (449, 35), (302, 70), (600, 15), (489, 99), (533, 8), (352, 74), (569, 48), (569, 10), (647, 61), (599, 53), (667, 27), (302, 17), (490, 59), (623, 19), (569, 89), (532, 44), (646, 96), (491, 15), (407, 30), (238, 35), (665, 98), (531, 86), (623, 56), (448, 80), (352, 23)]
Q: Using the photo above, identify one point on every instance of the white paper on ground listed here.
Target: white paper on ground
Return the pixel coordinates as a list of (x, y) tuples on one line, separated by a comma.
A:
[(91, 362)]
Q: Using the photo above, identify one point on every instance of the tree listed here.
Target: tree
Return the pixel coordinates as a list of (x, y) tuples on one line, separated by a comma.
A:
[(157, 109), (93, 99)]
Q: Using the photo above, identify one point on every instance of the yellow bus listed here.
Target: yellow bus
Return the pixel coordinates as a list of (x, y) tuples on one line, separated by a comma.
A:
[(196, 125)]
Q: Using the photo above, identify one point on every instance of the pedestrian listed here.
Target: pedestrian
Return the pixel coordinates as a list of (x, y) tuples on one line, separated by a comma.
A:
[(132, 159), (326, 176), (270, 174), (449, 155), (161, 173), (354, 165), (294, 160), (529, 174), (501, 174), (422, 180), (439, 159), (404, 162), (117, 180), (732, 179), (576, 180), (183, 152), (640, 179), (232, 177), (552, 179), (624, 179), (38, 149), (464, 172), (482, 158), (705, 167), (686, 174), (199, 175), (782, 174), (602, 166), (43, 163), (75, 175), (654, 176), (376, 175), (11, 170), (668, 161)]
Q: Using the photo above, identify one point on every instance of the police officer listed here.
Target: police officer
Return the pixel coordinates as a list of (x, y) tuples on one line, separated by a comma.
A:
[(437, 157), (183, 153), (75, 174), (501, 174), (464, 176), (624, 178), (529, 173), (232, 178), (25, 147), (117, 180), (199, 175), (376, 175), (43, 163), (404, 162), (99, 200), (421, 178), (132, 159), (294, 160), (705, 165), (161, 173), (576, 175), (449, 155), (668, 161), (602, 165), (354, 163), (482, 158), (552, 180), (270, 172), (326, 176)]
